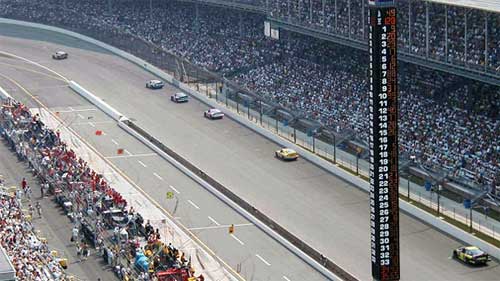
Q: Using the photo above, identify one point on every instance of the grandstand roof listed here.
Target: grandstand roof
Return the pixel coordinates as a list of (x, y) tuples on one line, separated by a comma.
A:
[(488, 5)]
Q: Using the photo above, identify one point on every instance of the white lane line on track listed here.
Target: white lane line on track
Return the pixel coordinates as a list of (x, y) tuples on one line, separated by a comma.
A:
[(286, 278), (133, 155), (37, 64), (95, 122), (81, 116), (128, 152), (75, 110), (193, 204), (214, 221), (158, 176), (220, 226), (115, 142), (91, 124), (174, 189), (263, 260), (142, 164), (236, 238)]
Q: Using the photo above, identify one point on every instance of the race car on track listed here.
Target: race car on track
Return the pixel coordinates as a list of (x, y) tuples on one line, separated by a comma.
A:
[(179, 97), (60, 55), (155, 84), (471, 255), (286, 154), (213, 113)]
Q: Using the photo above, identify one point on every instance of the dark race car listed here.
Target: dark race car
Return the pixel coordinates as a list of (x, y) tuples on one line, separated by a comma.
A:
[(179, 97)]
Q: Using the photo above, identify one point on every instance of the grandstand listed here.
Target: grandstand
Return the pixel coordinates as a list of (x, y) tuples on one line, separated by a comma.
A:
[(448, 122)]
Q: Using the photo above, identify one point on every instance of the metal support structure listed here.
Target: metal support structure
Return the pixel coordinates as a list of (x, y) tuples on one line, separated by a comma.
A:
[(485, 41), (349, 19), (427, 23), (409, 26), (197, 17), (363, 13), (336, 15), (310, 11), (299, 10), (288, 11), (151, 8), (323, 14), (446, 33), (465, 36), (240, 25), (110, 7)]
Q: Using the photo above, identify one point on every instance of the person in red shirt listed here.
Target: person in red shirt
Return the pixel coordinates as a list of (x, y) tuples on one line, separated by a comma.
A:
[(24, 184)]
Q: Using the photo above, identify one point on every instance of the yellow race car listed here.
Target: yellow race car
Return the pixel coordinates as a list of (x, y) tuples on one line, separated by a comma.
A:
[(471, 255), (287, 154)]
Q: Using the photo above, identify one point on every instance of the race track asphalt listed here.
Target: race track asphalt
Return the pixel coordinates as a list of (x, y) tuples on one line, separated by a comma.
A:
[(329, 214)]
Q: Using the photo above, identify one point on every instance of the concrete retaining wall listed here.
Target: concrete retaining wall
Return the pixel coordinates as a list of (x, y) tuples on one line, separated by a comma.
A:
[(4, 95), (97, 101)]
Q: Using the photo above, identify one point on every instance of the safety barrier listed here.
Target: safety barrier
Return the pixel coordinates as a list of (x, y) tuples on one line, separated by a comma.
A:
[(354, 180), (324, 265), (113, 113), (4, 94)]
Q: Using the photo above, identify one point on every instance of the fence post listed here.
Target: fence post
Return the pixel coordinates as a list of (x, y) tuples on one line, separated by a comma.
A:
[(408, 193), (357, 164), (314, 144), (470, 219), (260, 111)]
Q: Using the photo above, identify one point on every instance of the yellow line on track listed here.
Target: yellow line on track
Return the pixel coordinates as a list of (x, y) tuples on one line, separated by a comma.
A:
[(33, 71), (186, 230)]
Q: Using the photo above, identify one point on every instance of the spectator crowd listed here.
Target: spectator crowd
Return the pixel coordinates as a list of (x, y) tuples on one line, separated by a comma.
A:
[(445, 120), (102, 217), (30, 256)]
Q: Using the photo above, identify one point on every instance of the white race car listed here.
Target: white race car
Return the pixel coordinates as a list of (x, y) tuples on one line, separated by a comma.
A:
[(60, 55), (213, 113), (155, 84)]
